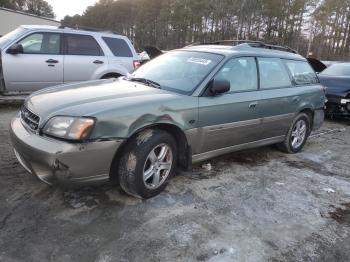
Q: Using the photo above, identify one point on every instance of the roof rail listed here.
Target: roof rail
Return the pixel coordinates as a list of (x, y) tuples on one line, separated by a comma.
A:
[(87, 28), (64, 27), (251, 43)]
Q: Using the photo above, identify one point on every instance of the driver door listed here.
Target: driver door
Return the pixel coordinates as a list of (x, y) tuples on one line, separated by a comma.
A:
[(231, 118), (40, 65)]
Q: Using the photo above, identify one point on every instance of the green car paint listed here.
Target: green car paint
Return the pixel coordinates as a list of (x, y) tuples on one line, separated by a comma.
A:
[(208, 125)]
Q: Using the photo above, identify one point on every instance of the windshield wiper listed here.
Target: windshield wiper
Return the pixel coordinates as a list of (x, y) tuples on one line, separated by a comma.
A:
[(145, 81)]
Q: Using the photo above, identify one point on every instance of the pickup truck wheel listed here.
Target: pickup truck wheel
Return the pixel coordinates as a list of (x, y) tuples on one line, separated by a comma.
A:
[(148, 161), (297, 135)]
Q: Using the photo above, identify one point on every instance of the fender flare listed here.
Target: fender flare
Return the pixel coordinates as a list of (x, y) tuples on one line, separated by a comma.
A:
[(109, 70)]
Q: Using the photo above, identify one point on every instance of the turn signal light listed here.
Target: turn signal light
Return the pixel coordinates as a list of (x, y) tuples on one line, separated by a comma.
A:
[(136, 64)]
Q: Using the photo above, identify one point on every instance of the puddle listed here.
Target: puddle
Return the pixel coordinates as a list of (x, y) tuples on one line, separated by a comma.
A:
[(310, 165), (341, 214), (250, 157)]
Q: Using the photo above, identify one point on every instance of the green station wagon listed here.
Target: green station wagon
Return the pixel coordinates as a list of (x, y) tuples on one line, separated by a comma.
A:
[(185, 106)]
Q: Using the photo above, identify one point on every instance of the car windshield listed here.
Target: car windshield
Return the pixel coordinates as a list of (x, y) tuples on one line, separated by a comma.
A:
[(179, 71), (4, 40), (337, 70)]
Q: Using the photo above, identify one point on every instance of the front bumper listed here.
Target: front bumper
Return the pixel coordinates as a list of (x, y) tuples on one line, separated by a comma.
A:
[(59, 162), (338, 106)]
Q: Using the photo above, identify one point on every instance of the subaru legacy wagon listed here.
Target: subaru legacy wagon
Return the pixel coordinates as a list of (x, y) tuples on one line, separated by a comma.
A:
[(183, 107)]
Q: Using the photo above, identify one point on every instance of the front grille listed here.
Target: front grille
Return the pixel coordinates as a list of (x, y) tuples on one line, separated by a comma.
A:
[(29, 118)]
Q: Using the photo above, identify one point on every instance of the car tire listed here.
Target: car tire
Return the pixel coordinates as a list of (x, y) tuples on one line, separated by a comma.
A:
[(148, 161), (297, 135), (110, 75)]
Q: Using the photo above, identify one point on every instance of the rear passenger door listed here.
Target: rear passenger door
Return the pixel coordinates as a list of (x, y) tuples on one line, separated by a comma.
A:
[(122, 53), (279, 100), (231, 118), (83, 58)]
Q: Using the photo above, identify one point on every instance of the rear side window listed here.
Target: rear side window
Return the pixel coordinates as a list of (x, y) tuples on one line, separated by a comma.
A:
[(82, 45), (118, 46), (273, 73), (301, 72)]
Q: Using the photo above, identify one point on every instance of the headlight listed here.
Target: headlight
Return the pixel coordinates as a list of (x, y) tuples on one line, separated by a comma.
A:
[(344, 101), (72, 128)]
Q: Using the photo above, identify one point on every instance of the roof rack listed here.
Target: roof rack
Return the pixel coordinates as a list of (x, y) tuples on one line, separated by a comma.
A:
[(251, 43)]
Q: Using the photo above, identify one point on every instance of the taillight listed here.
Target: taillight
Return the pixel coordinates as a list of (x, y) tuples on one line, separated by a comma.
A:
[(136, 64)]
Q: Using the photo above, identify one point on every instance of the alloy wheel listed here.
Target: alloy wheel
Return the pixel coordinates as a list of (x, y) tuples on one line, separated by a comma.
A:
[(157, 166), (298, 134)]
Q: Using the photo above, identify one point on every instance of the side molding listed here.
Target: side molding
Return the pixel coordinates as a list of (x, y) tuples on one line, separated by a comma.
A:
[(222, 151)]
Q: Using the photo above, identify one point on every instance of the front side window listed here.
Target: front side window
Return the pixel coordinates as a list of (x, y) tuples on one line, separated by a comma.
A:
[(301, 72), (41, 43), (82, 45), (179, 71), (273, 73), (118, 47), (241, 73)]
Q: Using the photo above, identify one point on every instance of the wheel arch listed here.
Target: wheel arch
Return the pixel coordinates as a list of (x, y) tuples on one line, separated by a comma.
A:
[(110, 75), (308, 111), (184, 150), (100, 72)]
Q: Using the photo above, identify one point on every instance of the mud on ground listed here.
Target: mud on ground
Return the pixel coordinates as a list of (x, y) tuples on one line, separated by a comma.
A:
[(256, 205)]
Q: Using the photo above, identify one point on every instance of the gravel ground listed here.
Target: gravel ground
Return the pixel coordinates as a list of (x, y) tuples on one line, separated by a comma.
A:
[(256, 205)]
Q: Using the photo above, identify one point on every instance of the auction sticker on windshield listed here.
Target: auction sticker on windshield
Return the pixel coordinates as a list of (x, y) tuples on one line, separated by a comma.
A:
[(200, 61)]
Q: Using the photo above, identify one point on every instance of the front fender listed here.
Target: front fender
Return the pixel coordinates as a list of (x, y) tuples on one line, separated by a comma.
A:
[(149, 121), (124, 122)]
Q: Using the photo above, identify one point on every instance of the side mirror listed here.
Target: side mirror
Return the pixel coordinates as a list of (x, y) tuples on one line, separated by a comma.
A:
[(219, 86), (15, 49)]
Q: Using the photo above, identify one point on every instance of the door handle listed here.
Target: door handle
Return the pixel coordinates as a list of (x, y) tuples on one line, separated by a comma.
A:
[(51, 61), (98, 62), (253, 105)]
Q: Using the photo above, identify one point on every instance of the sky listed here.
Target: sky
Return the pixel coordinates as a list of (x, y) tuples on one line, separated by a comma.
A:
[(69, 7)]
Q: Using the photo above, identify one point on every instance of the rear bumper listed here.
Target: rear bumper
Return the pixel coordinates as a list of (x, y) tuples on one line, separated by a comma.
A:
[(318, 119), (58, 162)]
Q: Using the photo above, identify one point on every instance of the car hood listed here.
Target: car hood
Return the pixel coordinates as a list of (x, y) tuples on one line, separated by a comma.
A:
[(94, 97), (336, 85)]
